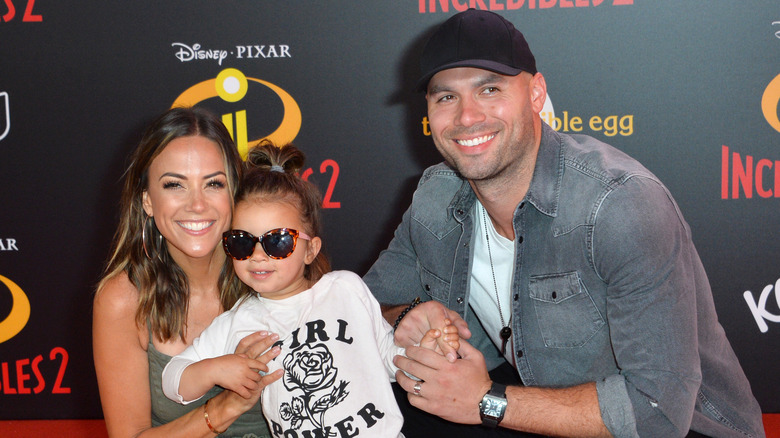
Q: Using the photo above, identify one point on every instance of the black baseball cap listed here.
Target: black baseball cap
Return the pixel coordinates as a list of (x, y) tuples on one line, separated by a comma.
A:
[(476, 38)]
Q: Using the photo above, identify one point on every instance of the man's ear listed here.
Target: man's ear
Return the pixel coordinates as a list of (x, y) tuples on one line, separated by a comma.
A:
[(538, 89)]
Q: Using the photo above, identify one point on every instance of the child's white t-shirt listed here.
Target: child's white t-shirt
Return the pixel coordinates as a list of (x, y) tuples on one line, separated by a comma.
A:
[(337, 353)]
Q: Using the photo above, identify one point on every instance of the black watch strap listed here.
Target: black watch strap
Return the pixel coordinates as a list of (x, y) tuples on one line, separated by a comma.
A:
[(496, 396)]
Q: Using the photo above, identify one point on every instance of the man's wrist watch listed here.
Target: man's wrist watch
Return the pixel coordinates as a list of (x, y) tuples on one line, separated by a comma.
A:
[(493, 405)]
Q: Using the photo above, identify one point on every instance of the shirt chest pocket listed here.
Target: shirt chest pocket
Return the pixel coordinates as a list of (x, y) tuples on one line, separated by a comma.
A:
[(434, 286), (566, 314)]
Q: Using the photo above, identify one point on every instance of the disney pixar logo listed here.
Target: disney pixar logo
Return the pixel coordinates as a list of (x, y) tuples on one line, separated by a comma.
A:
[(196, 52)]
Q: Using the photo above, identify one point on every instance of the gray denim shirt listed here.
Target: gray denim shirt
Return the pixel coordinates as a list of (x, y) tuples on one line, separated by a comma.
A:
[(607, 288)]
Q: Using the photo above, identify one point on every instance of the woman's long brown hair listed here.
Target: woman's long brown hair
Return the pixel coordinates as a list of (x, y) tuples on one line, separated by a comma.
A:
[(162, 285)]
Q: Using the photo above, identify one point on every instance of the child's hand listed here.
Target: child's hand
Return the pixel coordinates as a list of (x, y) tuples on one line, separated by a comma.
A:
[(439, 340), (237, 373), (451, 335)]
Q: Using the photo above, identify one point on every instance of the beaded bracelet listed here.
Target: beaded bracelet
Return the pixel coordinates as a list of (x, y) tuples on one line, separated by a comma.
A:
[(405, 311), (208, 422)]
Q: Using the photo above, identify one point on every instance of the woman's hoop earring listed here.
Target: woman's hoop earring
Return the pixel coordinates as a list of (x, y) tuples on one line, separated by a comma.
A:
[(143, 240), (143, 237)]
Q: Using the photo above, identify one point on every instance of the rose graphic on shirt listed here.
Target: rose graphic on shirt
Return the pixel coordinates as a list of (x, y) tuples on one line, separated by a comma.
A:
[(309, 369)]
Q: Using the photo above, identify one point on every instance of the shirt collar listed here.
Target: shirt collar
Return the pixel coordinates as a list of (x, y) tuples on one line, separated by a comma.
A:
[(544, 192)]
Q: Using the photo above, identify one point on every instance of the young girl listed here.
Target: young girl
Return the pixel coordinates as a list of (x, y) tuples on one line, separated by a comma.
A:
[(336, 349)]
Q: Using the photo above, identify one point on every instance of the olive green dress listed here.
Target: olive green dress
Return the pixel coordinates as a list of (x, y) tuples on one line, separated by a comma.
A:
[(250, 425)]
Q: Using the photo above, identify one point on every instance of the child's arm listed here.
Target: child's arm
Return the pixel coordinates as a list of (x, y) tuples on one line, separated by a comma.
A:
[(237, 373), (211, 365)]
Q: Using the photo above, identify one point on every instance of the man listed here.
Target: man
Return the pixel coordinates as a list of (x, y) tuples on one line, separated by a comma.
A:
[(566, 258)]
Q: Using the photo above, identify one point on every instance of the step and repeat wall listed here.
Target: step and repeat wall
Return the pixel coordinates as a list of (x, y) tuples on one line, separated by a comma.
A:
[(689, 88)]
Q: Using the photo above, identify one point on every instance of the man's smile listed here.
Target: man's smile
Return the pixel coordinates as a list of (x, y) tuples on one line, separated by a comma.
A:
[(475, 141)]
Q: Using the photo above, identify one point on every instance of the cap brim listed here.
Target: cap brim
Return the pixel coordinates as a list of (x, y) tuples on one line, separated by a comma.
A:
[(497, 67)]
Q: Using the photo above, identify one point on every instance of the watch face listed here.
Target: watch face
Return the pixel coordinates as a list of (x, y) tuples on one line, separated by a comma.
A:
[(493, 406)]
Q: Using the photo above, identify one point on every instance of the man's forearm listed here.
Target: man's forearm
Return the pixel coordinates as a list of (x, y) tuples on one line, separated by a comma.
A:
[(572, 411)]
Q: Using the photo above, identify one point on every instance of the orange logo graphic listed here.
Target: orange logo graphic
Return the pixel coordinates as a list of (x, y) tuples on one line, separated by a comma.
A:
[(231, 86), (20, 311), (769, 103)]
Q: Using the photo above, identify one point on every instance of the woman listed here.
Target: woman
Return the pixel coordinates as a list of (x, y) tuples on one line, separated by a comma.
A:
[(166, 280)]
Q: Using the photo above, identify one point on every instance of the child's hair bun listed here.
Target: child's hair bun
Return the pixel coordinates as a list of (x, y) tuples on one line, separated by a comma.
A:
[(268, 156)]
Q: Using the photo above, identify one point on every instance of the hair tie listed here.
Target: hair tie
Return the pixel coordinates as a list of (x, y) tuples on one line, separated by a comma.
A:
[(277, 168)]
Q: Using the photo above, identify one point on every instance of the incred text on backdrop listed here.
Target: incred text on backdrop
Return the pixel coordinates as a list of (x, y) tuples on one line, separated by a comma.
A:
[(748, 174), (501, 5)]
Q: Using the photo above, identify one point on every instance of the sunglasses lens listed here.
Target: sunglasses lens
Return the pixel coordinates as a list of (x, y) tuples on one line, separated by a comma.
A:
[(240, 246), (278, 244)]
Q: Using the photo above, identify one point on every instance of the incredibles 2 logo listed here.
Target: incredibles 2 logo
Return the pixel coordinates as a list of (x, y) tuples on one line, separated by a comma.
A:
[(235, 91), (20, 310), (746, 174), (28, 375), (500, 5), (232, 86), (28, 16)]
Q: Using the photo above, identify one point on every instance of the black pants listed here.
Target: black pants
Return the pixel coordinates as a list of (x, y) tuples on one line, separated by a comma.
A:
[(420, 424)]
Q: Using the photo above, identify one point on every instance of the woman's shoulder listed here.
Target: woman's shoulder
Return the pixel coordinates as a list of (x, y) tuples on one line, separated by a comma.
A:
[(114, 311), (117, 296)]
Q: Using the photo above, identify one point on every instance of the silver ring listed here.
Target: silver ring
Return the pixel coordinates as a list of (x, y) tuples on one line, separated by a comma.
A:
[(417, 388)]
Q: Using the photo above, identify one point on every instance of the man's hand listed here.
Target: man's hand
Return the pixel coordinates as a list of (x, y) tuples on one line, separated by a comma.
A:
[(426, 316), (448, 390)]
